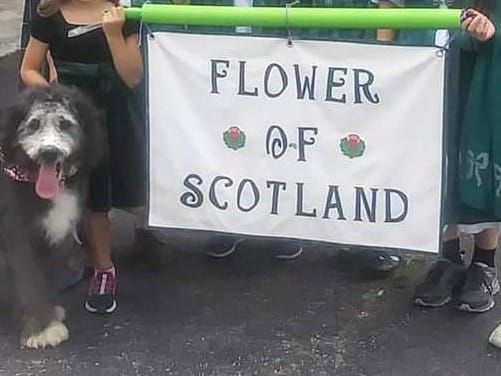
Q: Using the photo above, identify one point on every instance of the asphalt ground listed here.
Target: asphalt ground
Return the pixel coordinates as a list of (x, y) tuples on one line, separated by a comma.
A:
[(252, 315), (11, 14)]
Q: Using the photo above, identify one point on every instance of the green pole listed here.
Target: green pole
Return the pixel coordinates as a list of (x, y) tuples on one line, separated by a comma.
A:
[(296, 17), (133, 13)]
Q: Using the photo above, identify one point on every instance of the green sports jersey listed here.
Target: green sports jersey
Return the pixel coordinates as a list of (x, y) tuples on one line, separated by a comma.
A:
[(325, 34), (480, 177), (407, 37), (195, 29), (419, 37)]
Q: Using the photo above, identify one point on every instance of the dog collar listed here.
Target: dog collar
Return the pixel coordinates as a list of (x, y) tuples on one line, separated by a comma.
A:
[(16, 173)]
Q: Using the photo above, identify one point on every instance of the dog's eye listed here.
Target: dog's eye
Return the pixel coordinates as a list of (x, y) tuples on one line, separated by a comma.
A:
[(65, 124), (34, 125)]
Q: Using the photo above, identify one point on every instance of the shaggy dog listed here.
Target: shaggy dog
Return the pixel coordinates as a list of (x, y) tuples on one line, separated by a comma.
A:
[(49, 142)]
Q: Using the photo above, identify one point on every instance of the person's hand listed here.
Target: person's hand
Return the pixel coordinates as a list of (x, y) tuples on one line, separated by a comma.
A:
[(113, 21), (478, 25), (53, 78)]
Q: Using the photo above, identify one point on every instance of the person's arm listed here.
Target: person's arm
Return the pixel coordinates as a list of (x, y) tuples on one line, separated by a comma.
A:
[(386, 35), (34, 57), (52, 69), (124, 50)]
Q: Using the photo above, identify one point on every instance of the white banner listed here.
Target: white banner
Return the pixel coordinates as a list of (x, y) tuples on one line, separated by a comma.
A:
[(336, 142)]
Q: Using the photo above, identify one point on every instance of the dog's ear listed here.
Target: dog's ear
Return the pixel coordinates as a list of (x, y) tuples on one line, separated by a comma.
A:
[(90, 119), (10, 118)]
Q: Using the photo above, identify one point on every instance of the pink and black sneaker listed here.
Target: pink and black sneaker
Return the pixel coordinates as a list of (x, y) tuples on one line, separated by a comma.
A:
[(101, 296)]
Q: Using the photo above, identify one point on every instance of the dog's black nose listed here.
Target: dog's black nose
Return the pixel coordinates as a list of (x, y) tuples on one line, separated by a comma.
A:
[(49, 154)]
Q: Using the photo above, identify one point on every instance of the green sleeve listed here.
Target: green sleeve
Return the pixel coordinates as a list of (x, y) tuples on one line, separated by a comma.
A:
[(465, 41)]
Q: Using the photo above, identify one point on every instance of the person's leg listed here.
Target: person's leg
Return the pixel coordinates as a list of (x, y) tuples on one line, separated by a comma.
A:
[(222, 246), (477, 294), (451, 248), (486, 244), (447, 274), (152, 245), (103, 281), (102, 289), (286, 249), (99, 239)]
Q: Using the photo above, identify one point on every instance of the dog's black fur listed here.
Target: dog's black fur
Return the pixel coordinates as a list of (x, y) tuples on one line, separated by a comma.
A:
[(24, 244)]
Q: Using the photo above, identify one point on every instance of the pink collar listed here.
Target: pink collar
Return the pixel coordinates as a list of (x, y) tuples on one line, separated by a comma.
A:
[(16, 173)]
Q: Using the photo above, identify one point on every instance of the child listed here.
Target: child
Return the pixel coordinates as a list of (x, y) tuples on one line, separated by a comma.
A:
[(374, 260), (30, 11), (427, 37), (371, 260), (94, 48), (478, 180)]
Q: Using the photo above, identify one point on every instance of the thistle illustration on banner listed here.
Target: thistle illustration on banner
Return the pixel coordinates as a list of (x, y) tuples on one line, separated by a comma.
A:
[(352, 146), (234, 138)]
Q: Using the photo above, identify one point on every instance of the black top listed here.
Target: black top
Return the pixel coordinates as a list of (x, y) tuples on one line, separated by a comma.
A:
[(89, 48)]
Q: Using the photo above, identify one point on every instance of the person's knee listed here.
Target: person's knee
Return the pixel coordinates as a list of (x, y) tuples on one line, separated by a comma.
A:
[(139, 210), (488, 239), (451, 232)]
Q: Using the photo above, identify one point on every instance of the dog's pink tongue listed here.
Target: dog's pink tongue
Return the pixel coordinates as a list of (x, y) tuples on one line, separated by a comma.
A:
[(47, 184)]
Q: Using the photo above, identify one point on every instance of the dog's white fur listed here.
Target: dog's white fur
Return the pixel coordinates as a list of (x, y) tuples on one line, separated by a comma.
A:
[(62, 217), (48, 134), (58, 224), (54, 334)]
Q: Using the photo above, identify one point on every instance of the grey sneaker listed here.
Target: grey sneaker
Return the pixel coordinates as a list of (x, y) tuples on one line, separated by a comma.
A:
[(222, 246), (479, 289), (437, 289)]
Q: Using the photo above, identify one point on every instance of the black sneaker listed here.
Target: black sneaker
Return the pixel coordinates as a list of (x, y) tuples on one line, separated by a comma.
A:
[(379, 261), (437, 289), (286, 250), (222, 246), (102, 289), (479, 289)]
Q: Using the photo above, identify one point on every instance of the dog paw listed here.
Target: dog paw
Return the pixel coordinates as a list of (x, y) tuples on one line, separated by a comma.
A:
[(495, 337), (60, 313), (52, 336)]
